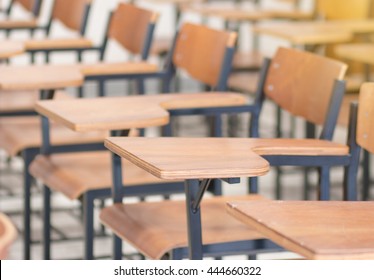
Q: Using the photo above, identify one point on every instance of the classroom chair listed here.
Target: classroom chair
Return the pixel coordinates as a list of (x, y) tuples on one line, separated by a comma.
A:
[(208, 62), (159, 229), (32, 11), (323, 230)]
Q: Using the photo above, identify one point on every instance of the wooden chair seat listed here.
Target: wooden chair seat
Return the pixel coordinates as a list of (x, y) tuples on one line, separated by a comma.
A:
[(56, 44), (18, 24), (20, 101), (244, 82), (118, 68), (40, 77), (73, 174), (8, 234), (157, 228), (17, 134), (314, 229), (247, 60)]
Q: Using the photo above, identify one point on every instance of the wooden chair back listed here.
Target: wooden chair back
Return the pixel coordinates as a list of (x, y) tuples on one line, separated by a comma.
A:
[(347, 9), (201, 52), (365, 121), (129, 26), (302, 83), (7, 235), (71, 12), (32, 6)]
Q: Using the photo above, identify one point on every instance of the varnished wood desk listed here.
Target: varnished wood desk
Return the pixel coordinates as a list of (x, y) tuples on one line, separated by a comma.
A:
[(118, 114), (363, 52), (237, 13), (317, 32), (193, 159), (127, 112), (333, 226)]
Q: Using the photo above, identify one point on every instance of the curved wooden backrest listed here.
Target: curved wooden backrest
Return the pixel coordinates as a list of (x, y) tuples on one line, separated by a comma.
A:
[(302, 83), (200, 51), (347, 9), (7, 235), (27, 4), (365, 121), (70, 12), (129, 26)]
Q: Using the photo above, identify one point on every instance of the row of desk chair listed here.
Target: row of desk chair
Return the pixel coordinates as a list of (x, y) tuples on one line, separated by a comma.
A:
[(272, 78)]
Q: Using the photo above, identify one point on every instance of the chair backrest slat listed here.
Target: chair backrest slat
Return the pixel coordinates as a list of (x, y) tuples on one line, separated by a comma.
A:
[(70, 12), (200, 51), (129, 26), (27, 4), (291, 83), (33, 6), (365, 123)]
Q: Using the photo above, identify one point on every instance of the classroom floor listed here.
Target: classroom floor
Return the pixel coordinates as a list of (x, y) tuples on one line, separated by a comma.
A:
[(67, 219)]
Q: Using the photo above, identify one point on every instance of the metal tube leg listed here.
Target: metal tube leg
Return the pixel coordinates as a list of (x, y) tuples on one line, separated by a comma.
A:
[(101, 88), (46, 222), (366, 175), (324, 191), (193, 221), (306, 183), (27, 157), (88, 202), (278, 185), (117, 248), (253, 185), (140, 86)]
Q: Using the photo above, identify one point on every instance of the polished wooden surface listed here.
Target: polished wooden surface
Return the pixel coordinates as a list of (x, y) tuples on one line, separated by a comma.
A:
[(8, 234), (117, 68), (17, 134), (198, 158), (39, 77), (129, 112), (361, 52), (204, 61), (347, 9), (317, 32), (365, 123), (72, 173), (301, 82), (314, 229), (10, 48), (129, 26), (70, 12), (15, 23), (238, 13), (155, 228), (306, 33), (66, 43)]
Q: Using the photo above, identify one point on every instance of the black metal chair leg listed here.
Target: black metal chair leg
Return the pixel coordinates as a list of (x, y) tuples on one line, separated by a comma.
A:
[(46, 223), (88, 226)]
